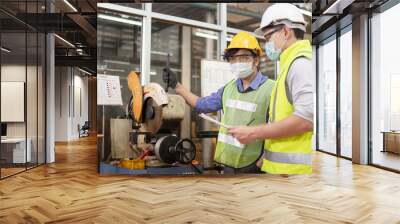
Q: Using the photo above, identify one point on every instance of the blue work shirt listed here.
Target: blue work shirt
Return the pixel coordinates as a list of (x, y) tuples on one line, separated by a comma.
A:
[(213, 102)]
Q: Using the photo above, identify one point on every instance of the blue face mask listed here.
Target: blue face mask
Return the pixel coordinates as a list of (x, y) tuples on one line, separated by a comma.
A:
[(271, 51)]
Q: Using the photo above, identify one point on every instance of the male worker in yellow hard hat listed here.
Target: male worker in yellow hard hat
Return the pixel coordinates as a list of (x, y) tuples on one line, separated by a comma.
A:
[(289, 131), (243, 100)]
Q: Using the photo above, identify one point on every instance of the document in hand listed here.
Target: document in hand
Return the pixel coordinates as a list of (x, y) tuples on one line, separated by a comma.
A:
[(208, 118)]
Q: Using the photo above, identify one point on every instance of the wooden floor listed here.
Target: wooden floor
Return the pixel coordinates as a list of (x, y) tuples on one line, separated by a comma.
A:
[(10, 171), (387, 159), (71, 191)]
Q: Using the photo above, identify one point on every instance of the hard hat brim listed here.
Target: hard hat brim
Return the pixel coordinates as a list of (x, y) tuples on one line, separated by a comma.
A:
[(259, 31)]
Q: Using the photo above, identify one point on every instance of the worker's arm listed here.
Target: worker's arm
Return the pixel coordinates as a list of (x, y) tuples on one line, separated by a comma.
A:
[(299, 89), (189, 97), (207, 104), (287, 127)]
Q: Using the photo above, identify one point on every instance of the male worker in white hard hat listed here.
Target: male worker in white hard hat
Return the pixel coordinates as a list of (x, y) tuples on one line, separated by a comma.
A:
[(288, 134), (243, 101)]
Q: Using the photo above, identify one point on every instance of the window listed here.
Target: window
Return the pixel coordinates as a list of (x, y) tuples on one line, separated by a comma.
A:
[(385, 89), (346, 93), (245, 16), (204, 12), (203, 47), (119, 48), (166, 39), (118, 53), (327, 96), (175, 40)]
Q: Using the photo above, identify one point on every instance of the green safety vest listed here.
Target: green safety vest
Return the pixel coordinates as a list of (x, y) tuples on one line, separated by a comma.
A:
[(248, 108), (290, 155)]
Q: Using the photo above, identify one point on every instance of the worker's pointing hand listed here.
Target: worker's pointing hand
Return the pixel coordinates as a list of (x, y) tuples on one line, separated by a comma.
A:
[(244, 134), (170, 78)]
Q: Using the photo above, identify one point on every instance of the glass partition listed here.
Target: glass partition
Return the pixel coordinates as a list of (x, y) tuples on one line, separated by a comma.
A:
[(385, 89), (15, 151), (22, 89), (327, 96), (118, 53), (346, 93)]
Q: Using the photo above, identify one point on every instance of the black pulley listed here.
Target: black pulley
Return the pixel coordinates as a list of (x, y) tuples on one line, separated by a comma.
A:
[(163, 148), (170, 149), (185, 151)]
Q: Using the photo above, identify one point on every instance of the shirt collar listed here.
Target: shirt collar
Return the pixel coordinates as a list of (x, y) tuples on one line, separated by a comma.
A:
[(255, 83)]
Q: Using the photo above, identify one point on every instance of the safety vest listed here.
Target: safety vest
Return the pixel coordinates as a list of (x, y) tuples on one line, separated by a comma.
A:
[(248, 108), (290, 155)]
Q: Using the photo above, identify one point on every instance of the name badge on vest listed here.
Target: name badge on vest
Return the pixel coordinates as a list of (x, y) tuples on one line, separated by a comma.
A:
[(241, 105)]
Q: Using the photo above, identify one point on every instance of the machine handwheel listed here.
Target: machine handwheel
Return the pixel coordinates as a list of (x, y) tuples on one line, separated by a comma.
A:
[(185, 151)]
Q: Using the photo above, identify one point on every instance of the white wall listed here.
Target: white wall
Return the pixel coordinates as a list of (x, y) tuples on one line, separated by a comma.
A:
[(69, 85)]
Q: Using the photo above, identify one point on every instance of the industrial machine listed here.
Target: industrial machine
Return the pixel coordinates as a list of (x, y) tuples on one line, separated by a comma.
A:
[(148, 107)]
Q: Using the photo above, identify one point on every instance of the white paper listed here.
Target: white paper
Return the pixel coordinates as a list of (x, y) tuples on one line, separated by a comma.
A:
[(214, 75), (108, 90), (208, 118)]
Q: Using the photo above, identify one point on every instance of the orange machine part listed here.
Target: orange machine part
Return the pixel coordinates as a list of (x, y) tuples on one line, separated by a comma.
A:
[(136, 88)]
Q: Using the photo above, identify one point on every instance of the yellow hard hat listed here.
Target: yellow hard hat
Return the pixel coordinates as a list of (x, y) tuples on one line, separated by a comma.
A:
[(245, 40)]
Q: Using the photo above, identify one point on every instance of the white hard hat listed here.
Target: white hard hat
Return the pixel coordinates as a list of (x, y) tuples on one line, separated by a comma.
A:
[(282, 13)]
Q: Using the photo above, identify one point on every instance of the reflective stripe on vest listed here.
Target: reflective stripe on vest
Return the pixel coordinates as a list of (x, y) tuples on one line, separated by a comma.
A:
[(229, 139), (291, 158), (241, 105)]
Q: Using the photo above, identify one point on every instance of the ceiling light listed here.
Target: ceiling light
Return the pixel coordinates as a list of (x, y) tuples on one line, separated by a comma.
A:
[(117, 62), (65, 41), (161, 53), (120, 20), (70, 5), (5, 50), (114, 70), (206, 35)]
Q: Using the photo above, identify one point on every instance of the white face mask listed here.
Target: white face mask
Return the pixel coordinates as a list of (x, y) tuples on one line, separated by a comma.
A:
[(242, 69)]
